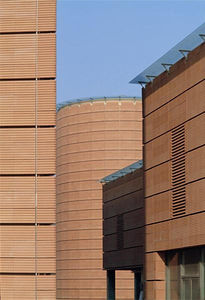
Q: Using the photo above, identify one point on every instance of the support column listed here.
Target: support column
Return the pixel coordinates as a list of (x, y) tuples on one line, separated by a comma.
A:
[(155, 270), (111, 285), (137, 282)]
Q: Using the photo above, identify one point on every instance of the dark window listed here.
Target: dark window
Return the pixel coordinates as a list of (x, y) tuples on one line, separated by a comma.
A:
[(185, 274)]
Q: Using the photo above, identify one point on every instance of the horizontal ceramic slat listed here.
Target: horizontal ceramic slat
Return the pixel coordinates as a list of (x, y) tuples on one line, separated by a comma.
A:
[(20, 215), (20, 241), (184, 75), (24, 16), (19, 99), (19, 192), (27, 56), (17, 150), (26, 283)]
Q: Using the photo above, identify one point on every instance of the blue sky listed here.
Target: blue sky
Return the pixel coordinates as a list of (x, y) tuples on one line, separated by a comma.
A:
[(102, 45)]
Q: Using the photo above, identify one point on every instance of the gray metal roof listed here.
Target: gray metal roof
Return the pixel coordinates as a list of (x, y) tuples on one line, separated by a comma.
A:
[(81, 100), (188, 44), (129, 169)]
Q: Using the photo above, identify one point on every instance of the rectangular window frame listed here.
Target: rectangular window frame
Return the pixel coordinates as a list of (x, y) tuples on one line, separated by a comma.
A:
[(181, 267)]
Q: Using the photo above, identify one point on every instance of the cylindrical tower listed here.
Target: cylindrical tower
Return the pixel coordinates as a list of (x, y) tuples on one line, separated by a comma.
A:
[(95, 137)]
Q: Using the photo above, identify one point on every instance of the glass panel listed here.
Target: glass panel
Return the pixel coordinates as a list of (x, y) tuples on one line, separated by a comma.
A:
[(196, 289), (174, 288), (187, 289), (191, 262), (190, 42)]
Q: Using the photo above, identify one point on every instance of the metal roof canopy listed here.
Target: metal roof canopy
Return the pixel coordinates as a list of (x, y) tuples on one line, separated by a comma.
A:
[(129, 169), (90, 99), (189, 43)]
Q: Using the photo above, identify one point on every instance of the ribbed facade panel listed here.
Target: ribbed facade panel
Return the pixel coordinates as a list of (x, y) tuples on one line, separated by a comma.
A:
[(27, 149), (27, 56), (94, 138), (15, 159), (17, 105), (174, 149), (22, 15)]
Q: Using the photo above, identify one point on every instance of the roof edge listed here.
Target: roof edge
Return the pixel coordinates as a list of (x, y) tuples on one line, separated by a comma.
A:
[(91, 99)]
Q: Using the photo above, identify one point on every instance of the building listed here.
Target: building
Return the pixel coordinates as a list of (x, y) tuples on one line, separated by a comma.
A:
[(94, 138), (27, 149), (123, 226), (174, 171), (174, 182)]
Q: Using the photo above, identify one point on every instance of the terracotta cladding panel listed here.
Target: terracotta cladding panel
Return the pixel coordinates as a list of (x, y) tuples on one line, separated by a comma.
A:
[(195, 164), (95, 155), (123, 204), (192, 74), (155, 290), (25, 295), (133, 238), (78, 205), (158, 208), (17, 150), (21, 242), (176, 233), (134, 219), (131, 257), (79, 215), (110, 139), (194, 126), (81, 225), (158, 179), (26, 283), (23, 17), (78, 234), (157, 150), (194, 196), (92, 140), (124, 189), (106, 164), (78, 244), (17, 107), (181, 109), (98, 294), (18, 56), (155, 267), (80, 264), (21, 193)]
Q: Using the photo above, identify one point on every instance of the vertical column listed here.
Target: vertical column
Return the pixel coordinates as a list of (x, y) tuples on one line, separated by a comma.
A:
[(155, 271), (137, 285), (111, 285)]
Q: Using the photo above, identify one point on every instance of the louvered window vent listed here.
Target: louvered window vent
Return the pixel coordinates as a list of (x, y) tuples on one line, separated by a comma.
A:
[(178, 172)]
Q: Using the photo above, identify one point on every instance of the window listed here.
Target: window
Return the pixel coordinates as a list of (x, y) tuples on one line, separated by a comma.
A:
[(185, 274)]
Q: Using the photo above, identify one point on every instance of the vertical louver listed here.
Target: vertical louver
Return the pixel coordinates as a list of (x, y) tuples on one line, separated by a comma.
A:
[(178, 171)]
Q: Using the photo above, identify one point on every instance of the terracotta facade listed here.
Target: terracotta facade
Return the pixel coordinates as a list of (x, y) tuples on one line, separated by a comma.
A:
[(123, 222), (94, 138), (27, 150), (174, 152)]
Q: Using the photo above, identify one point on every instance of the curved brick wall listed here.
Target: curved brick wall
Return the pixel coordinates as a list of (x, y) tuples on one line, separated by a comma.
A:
[(94, 139)]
